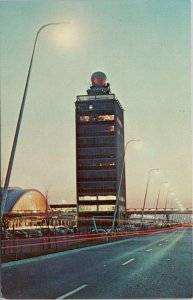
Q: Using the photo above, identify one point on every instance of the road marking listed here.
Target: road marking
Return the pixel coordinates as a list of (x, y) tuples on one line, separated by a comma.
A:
[(160, 244), (128, 261), (148, 250), (166, 240), (72, 292)]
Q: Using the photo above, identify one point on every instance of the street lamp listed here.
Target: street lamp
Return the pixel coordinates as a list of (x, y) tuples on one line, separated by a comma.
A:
[(119, 187), (162, 184), (175, 215), (10, 165), (167, 197), (150, 171)]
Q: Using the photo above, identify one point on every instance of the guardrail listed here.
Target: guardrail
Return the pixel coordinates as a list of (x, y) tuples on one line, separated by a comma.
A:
[(159, 211), (15, 249)]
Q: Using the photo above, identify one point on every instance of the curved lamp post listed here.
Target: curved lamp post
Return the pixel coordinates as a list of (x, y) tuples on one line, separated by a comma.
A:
[(144, 202), (10, 165), (116, 212), (162, 184)]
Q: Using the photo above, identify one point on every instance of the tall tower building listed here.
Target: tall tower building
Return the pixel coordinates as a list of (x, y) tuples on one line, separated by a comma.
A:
[(100, 172)]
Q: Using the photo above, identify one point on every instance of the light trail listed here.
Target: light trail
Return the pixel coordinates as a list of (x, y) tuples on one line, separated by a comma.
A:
[(85, 237)]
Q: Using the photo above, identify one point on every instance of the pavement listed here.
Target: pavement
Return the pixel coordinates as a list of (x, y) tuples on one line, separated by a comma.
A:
[(151, 266)]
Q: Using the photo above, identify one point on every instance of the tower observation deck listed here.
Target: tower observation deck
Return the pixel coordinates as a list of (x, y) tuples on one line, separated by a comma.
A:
[(99, 152)]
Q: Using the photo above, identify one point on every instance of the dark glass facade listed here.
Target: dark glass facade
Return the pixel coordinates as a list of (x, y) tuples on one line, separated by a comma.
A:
[(99, 157)]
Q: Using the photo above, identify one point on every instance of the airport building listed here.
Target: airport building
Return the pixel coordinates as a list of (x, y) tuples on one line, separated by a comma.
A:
[(100, 171), (28, 208)]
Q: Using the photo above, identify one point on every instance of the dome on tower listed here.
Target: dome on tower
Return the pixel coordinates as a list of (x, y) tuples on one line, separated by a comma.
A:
[(99, 86), (98, 79)]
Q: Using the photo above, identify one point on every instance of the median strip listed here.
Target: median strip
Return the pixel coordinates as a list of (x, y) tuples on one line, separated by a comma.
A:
[(128, 261), (72, 292)]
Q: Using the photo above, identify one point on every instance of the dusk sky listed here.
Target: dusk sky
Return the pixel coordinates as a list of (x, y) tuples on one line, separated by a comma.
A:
[(143, 46)]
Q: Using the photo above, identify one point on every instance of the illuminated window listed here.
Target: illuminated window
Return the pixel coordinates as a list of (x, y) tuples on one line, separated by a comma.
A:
[(109, 197), (100, 118), (93, 165), (87, 208), (106, 207), (111, 128), (84, 118), (106, 118), (87, 198)]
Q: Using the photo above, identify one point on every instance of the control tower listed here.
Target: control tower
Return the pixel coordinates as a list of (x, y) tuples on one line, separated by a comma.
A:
[(99, 154)]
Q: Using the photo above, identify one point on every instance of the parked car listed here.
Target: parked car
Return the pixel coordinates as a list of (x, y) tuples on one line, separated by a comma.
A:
[(47, 231), (66, 230), (35, 233), (128, 227), (6, 235), (18, 234)]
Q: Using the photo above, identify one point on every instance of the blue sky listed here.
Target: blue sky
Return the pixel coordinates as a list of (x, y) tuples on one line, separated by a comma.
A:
[(143, 46)]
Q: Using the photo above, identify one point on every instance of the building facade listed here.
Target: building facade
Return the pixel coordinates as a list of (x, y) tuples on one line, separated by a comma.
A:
[(100, 173)]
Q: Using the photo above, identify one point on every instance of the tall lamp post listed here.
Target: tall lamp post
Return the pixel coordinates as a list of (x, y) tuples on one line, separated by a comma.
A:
[(120, 182), (161, 185), (174, 219), (10, 165), (144, 202), (167, 197)]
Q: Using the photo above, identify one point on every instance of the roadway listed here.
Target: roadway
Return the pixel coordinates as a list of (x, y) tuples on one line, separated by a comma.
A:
[(151, 266)]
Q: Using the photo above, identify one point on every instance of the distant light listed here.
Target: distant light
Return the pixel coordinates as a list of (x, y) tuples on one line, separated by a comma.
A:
[(65, 36)]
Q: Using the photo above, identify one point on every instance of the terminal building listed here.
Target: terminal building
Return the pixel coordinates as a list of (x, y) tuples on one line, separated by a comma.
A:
[(100, 171), (29, 208)]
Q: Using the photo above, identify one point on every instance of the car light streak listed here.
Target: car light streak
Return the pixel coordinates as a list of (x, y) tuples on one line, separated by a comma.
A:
[(82, 237)]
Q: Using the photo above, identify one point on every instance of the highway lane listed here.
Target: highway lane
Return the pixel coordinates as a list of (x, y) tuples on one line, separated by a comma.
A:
[(152, 266)]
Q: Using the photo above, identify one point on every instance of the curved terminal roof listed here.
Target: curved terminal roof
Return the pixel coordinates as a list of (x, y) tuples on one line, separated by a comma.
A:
[(25, 200)]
